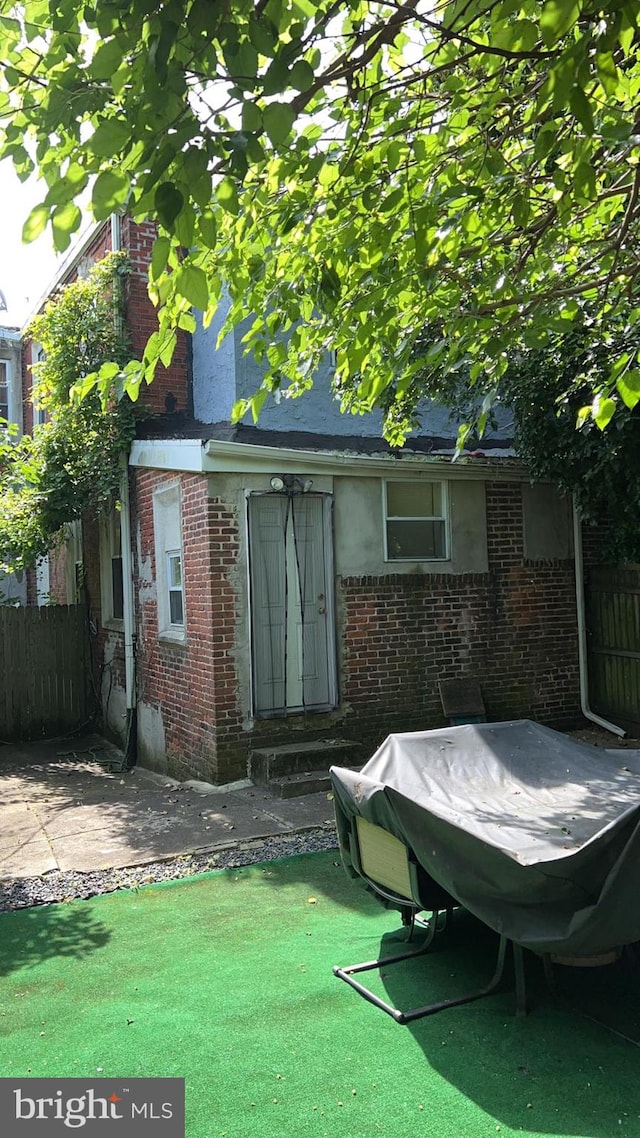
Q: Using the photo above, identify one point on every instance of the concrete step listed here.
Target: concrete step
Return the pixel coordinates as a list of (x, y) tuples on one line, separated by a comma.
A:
[(270, 764), (294, 785)]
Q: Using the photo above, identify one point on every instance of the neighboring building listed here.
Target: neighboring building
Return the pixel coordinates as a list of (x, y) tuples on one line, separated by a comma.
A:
[(302, 579)]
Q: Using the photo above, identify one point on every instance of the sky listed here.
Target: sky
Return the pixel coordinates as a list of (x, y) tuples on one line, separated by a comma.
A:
[(25, 270)]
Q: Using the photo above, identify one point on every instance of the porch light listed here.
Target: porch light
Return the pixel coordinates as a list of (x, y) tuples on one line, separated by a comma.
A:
[(291, 483)]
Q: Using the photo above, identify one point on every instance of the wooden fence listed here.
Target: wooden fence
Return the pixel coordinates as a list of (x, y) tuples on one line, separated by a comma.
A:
[(45, 683), (613, 627)]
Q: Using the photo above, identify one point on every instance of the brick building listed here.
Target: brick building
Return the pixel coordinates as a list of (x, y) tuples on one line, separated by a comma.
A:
[(301, 579)]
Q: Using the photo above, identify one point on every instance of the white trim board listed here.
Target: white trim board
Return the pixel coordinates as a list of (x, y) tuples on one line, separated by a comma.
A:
[(216, 457)]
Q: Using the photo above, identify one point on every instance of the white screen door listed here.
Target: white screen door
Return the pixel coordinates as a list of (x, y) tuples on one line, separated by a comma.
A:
[(291, 577)]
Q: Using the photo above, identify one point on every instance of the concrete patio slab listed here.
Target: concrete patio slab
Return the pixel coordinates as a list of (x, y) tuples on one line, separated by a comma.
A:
[(61, 809), (29, 858)]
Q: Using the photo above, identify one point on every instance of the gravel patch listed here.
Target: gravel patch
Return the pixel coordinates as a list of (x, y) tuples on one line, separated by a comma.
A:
[(57, 886)]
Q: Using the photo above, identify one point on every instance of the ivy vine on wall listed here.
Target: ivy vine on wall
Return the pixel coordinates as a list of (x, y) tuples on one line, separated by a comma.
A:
[(70, 465)]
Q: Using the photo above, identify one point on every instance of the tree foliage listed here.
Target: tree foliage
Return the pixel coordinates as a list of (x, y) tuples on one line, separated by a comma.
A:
[(71, 463), (351, 173), (558, 442)]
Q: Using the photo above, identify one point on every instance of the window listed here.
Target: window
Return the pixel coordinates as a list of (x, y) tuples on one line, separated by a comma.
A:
[(174, 587), (4, 389), (74, 566), (39, 415), (112, 590), (39, 412), (167, 526), (416, 521)]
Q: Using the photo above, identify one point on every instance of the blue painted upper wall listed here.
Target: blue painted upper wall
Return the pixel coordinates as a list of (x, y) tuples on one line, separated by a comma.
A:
[(224, 374)]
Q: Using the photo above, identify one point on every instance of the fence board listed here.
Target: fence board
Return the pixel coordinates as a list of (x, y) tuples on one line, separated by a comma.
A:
[(613, 626), (44, 657)]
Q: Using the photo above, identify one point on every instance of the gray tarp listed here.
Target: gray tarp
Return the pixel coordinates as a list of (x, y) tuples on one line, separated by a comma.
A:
[(535, 833)]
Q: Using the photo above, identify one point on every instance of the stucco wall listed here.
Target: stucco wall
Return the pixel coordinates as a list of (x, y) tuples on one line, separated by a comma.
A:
[(548, 523), (359, 530), (224, 374), (214, 372)]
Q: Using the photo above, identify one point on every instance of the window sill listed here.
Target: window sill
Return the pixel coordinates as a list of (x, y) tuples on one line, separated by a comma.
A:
[(173, 639), (113, 625), (418, 561)]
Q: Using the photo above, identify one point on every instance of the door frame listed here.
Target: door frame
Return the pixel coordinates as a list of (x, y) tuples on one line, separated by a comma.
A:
[(331, 637)]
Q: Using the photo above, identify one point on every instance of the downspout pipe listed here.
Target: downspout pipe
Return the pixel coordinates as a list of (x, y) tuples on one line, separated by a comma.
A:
[(128, 610), (582, 631), (128, 616)]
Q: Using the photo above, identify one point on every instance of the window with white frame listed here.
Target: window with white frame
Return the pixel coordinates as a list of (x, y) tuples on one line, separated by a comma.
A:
[(4, 389), (39, 412), (167, 525), (111, 582), (174, 588), (416, 521)]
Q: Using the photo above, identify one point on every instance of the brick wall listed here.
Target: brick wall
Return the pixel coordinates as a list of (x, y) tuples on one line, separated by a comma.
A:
[(192, 686), (58, 576), (171, 388), (513, 629)]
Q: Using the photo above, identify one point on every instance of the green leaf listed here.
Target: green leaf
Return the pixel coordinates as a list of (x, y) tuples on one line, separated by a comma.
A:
[(584, 180), (516, 35), (239, 410), (188, 322), (301, 75), (109, 138), (557, 17), (330, 282), (328, 174), (185, 225), (251, 116), (35, 224), (208, 228), (227, 195), (65, 219), (521, 209), (242, 61), (546, 139), (263, 35), (159, 256), (168, 201), (191, 283), (257, 402), (111, 190), (603, 410), (628, 388), (581, 109), (619, 367), (277, 76), (278, 121), (107, 59), (607, 72), (160, 348)]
